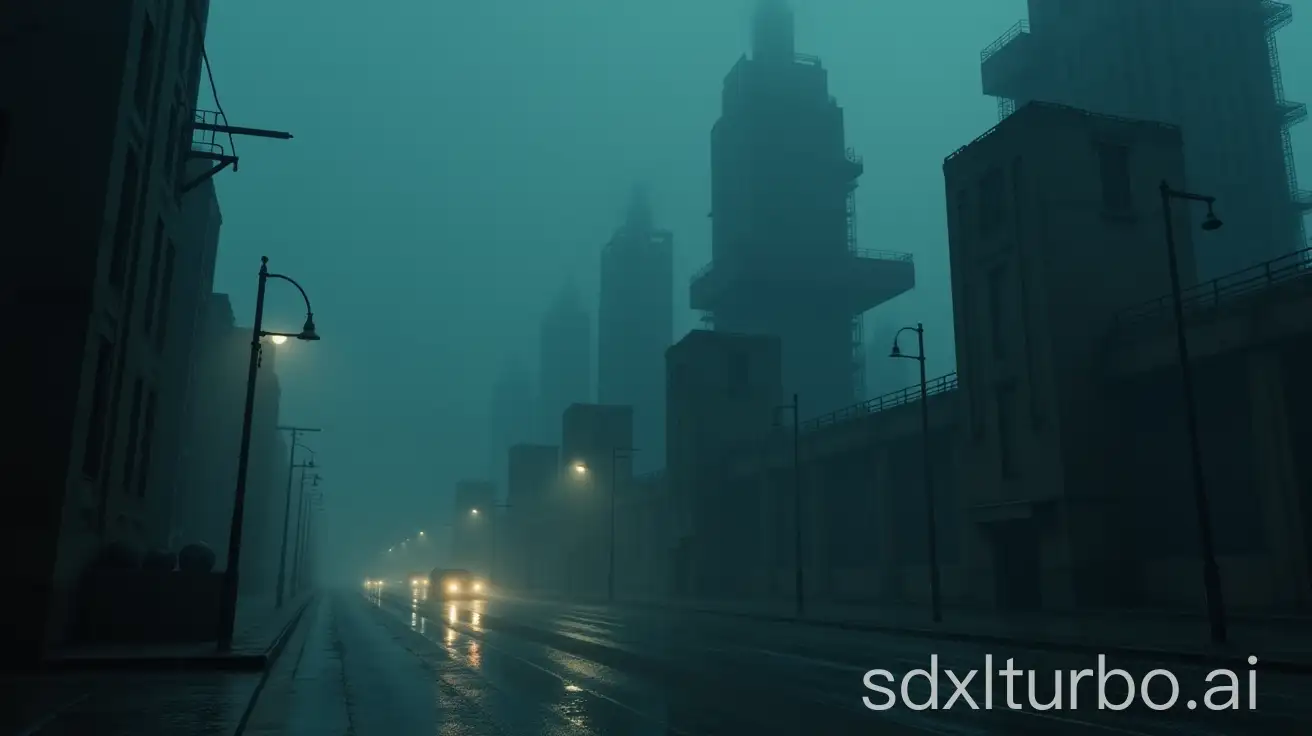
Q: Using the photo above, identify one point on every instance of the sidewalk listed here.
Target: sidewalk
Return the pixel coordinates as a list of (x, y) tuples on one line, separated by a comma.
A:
[(1281, 643), (259, 628), (188, 690)]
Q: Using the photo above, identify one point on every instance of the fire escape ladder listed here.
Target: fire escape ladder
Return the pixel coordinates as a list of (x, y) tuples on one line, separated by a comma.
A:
[(1279, 15), (858, 320), (1006, 106), (206, 127)]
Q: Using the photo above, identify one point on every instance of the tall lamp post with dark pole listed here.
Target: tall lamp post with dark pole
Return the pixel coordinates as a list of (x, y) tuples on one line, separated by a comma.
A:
[(931, 518), (1211, 573), (228, 600), (287, 505), (799, 594), (616, 454)]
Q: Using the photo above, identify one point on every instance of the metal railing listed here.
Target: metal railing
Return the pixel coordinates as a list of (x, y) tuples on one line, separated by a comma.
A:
[(890, 400), (1007, 37), (1211, 294)]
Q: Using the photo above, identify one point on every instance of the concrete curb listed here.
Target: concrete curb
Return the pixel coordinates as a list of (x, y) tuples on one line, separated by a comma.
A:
[(212, 661), (271, 657), (1235, 659)]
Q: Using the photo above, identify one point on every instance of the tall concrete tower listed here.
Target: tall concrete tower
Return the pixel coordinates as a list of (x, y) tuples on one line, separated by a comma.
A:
[(1210, 68), (635, 324), (512, 420), (784, 255), (564, 361)]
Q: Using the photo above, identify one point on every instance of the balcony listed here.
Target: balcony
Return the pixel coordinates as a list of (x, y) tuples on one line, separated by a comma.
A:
[(862, 279), (1291, 113), (1004, 63)]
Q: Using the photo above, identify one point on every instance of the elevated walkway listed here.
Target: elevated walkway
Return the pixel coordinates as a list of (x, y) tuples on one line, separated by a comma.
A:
[(1266, 304)]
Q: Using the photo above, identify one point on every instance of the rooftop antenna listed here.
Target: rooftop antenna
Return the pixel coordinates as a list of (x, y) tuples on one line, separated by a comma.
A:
[(773, 32)]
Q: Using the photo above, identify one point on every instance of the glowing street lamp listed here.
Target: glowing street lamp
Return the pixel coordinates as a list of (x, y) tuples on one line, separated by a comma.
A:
[(278, 339), (579, 468)]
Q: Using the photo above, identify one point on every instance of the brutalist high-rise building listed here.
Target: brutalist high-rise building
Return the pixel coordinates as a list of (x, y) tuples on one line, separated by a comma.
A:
[(635, 324), (1209, 67), (564, 361), (784, 255)]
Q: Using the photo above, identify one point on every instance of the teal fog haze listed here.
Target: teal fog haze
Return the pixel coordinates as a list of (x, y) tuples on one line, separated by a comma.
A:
[(455, 163)]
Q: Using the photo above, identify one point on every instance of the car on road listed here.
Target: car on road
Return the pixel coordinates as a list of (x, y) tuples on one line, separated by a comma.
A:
[(457, 585)]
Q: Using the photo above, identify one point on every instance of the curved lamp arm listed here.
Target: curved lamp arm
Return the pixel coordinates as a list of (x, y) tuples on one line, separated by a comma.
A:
[(897, 351), (308, 332)]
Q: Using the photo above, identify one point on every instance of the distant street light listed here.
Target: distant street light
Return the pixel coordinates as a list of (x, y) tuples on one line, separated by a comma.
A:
[(579, 468), (228, 601), (473, 512), (1211, 572), (931, 517)]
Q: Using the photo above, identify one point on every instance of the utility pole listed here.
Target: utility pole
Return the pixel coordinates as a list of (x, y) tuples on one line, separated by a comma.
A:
[(302, 523), (287, 505)]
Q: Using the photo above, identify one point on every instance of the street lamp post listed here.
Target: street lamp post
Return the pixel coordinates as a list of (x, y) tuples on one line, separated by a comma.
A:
[(616, 454), (287, 505), (1211, 572), (931, 519), (799, 592), (302, 530), (228, 599)]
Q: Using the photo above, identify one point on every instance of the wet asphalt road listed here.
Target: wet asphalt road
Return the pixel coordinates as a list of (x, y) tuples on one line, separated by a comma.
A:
[(411, 665)]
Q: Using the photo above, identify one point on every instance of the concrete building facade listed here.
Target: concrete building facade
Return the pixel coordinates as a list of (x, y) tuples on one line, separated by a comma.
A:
[(564, 361), (596, 459), (635, 324), (534, 472), (512, 421), (784, 255), (97, 168), (1211, 68), (1058, 455)]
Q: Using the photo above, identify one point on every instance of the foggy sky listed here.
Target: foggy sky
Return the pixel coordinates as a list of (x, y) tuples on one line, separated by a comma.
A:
[(455, 161)]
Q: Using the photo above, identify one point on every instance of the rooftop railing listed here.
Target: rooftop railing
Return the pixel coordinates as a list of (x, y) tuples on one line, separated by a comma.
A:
[(1007, 37), (890, 400), (1211, 294)]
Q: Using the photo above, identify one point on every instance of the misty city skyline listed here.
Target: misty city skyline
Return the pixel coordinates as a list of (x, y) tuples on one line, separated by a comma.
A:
[(452, 167)]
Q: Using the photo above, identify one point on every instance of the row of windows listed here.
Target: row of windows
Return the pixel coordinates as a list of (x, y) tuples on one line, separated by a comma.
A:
[(123, 268)]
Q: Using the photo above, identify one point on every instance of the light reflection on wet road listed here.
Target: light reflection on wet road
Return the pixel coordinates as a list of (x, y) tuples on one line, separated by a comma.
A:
[(637, 672)]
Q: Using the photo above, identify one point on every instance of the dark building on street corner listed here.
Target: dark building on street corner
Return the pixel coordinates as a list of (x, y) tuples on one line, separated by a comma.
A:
[(104, 261), (635, 324)]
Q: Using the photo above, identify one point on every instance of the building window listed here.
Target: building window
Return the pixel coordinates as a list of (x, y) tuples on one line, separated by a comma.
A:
[(4, 138), (127, 206), (992, 202), (172, 143), (166, 295), (152, 286), (148, 442), (134, 436), (145, 67), (997, 302), (94, 452), (739, 364), (1114, 167), (1006, 398)]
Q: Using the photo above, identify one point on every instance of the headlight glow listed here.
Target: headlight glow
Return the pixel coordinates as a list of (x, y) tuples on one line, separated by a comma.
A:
[(453, 587), (478, 587)]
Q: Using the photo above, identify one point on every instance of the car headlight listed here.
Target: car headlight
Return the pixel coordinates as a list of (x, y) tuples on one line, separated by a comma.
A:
[(478, 587), (453, 587)]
